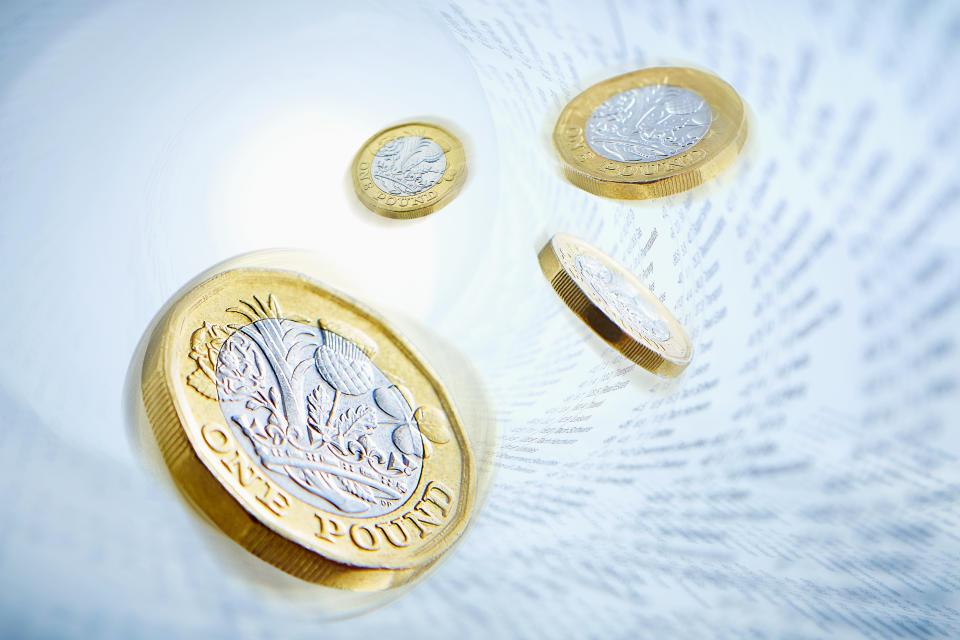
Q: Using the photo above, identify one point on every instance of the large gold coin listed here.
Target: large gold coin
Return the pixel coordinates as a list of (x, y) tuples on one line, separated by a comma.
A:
[(307, 430), (616, 305), (650, 133), (409, 171)]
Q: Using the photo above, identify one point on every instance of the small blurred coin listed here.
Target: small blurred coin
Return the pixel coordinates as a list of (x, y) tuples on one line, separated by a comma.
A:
[(616, 305), (409, 171), (650, 133)]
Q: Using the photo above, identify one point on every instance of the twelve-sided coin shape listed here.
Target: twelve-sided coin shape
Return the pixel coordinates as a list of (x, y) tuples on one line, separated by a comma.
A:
[(307, 429)]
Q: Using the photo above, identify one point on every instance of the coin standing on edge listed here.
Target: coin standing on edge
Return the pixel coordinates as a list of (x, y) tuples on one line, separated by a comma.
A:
[(409, 171), (616, 305), (307, 430), (650, 133)]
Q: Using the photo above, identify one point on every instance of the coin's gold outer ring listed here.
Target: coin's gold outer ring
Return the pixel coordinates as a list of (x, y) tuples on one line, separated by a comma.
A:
[(176, 415), (419, 205), (642, 352), (641, 180)]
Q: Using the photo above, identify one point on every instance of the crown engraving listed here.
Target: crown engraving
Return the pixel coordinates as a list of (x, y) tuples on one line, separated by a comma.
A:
[(312, 406)]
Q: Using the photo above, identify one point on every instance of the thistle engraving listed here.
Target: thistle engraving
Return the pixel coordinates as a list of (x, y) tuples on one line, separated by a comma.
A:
[(309, 403), (648, 124), (611, 290), (408, 165)]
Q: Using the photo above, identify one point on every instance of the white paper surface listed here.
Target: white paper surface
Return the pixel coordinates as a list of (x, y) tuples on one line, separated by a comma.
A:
[(799, 480)]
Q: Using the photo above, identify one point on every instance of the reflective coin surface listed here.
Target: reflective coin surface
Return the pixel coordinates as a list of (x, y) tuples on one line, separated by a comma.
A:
[(409, 171), (307, 430), (648, 124), (408, 165), (616, 305), (650, 133)]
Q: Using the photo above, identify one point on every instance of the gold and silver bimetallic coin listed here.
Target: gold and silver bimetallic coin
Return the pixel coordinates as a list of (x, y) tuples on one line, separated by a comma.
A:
[(616, 305), (307, 430), (650, 133), (409, 171)]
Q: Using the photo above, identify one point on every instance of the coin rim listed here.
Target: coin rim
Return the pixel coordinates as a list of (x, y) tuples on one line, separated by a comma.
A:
[(447, 187), (596, 174), (637, 349), (216, 500)]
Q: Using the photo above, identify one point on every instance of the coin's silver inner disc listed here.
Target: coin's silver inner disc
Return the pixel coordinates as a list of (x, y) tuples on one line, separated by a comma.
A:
[(610, 289), (648, 124), (320, 416), (408, 165)]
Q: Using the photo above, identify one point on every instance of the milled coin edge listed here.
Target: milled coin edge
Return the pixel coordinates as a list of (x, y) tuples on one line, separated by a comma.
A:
[(596, 318)]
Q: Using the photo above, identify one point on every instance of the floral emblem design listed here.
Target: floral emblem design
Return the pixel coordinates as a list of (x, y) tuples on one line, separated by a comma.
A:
[(616, 293), (651, 123), (205, 344), (311, 405), (408, 165)]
